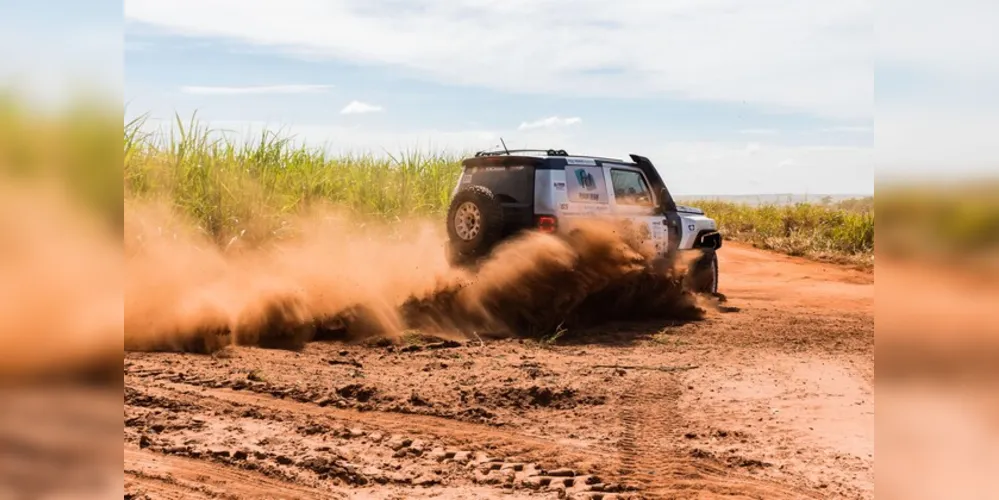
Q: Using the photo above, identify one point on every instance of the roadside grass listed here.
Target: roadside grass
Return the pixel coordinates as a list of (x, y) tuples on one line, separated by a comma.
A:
[(955, 223), (72, 148), (250, 190), (228, 187), (821, 232)]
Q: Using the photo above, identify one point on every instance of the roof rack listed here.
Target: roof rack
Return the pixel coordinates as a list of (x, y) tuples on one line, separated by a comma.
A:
[(549, 152), (556, 152), (603, 158)]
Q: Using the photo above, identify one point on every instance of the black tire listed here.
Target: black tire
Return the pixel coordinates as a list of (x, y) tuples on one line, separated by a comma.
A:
[(704, 274), (480, 227)]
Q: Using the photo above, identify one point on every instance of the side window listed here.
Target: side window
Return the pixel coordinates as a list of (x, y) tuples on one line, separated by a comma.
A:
[(630, 188)]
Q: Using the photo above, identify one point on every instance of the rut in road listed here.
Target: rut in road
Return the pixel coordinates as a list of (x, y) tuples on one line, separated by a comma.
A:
[(649, 459), (498, 441), (172, 477), (271, 413), (648, 464), (500, 460)]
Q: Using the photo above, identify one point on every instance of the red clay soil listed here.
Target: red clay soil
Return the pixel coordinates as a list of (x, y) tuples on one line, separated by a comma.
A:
[(769, 397)]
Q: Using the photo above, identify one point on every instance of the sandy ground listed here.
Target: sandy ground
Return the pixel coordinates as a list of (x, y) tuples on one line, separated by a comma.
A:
[(772, 398)]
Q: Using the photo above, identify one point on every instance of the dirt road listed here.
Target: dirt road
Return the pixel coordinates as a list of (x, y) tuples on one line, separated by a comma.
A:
[(770, 398)]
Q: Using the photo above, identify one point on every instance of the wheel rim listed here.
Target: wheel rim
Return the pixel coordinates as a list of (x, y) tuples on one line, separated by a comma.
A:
[(467, 221)]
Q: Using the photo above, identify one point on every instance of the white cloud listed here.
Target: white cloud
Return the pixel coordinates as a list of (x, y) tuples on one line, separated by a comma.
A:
[(350, 139), (258, 89), (812, 57), (60, 62), (550, 122), (759, 131), (915, 143), (358, 108), (859, 129), (953, 39), (939, 62), (136, 46), (728, 168)]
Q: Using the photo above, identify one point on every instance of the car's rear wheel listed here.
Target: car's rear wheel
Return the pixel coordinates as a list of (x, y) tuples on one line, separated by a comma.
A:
[(474, 224)]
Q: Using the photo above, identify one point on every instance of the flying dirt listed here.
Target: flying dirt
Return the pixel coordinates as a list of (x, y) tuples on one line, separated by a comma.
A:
[(317, 387), (184, 293), (771, 397), (60, 296)]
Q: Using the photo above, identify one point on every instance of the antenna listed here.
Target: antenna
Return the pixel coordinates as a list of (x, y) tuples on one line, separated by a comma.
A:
[(504, 146)]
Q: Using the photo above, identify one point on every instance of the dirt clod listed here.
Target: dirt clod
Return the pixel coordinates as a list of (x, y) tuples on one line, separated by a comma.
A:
[(561, 473)]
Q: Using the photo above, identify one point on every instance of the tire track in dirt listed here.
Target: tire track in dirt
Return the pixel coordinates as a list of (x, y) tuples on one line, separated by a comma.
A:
[(523, 450), (503, 460), (646, 463), (452, 432), (155, 475), (650, 459)]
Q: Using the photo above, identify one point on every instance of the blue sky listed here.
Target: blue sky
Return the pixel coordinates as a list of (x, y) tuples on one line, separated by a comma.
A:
[(47, 57), (726, 96), (747, 114)]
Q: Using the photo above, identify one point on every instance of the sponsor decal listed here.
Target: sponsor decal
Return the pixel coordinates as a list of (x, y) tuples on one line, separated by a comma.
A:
[(585, 179), (586, 185), (580, 161)]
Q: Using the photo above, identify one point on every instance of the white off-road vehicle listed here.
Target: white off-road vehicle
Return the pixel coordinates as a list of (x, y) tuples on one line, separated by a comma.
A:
[(501, 193)]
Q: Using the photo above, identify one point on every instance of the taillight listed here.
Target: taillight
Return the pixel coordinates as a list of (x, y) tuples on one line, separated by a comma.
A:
[(547, 223)]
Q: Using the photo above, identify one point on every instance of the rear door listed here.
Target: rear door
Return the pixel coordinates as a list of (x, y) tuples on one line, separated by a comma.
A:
[(633, 201), (582, 190)]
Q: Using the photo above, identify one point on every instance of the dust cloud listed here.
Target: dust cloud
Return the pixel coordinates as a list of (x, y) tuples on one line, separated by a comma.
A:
[(60, 296), (184, 292), (539, 283), (336, 277)]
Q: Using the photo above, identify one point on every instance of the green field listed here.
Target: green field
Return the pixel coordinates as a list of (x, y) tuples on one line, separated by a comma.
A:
[(838, 232), (252, 189), (249, 189)]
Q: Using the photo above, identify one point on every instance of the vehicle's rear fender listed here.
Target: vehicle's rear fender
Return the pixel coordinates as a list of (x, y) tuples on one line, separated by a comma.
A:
[(547, 193)]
